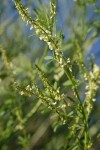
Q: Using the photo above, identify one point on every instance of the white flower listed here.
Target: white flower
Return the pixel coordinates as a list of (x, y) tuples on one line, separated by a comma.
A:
[(21, 93)]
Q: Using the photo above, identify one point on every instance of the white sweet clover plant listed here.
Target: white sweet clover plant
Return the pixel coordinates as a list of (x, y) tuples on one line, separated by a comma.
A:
[(45, 26)]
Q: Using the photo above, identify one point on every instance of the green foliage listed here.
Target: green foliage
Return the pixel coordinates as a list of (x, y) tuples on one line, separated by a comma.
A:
[(49, 95)]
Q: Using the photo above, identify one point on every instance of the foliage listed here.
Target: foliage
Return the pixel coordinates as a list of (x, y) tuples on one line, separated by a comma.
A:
[(58, 91)]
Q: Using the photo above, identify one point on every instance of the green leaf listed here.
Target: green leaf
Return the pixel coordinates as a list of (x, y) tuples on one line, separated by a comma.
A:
[(48, 58), (57, 125), (45, 110), (67, 83), (71, 99)]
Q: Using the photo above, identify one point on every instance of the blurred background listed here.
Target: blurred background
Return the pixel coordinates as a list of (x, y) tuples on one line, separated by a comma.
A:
[(23, 122)]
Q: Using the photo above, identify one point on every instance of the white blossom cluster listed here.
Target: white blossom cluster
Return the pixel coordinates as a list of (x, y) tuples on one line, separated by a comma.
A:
[(44, 33), (49, 88), (52, 10), (93, 79), (52, 105)]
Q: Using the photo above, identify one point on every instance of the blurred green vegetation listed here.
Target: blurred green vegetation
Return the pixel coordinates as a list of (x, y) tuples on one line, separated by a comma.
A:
[(25, 123)]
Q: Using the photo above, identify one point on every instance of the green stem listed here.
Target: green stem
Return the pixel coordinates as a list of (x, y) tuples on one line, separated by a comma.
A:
[(82, 108)]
